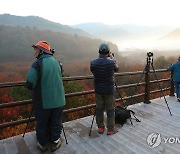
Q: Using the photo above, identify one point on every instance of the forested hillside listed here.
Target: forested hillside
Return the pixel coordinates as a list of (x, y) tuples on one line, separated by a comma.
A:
[(16, 44), (75, 52), (40, 23)]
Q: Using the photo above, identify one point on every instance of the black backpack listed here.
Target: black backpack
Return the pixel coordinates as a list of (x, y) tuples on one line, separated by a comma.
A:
[(122, 114)]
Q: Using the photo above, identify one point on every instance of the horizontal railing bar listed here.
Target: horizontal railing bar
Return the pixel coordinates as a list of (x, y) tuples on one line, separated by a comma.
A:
[(159, 70), (79, 108), (139, 72), (131, 85), (18, 122), (128, 73), (25, 102), (77, 78), (91, 76), (130, 97), (22, 83), (12, 84), (79, 93), (162, 80), (17, 103), (159, 90)]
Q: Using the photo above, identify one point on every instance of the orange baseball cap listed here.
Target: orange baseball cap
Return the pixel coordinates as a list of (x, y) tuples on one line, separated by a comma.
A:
[(44, 46)]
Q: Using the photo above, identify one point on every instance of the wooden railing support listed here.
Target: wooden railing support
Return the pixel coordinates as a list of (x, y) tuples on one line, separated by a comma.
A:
[(147, 81)]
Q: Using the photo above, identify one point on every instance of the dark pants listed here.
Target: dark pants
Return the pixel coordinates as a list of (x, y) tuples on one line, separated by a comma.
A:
[(49, 124), (105, 102), (177, 87)]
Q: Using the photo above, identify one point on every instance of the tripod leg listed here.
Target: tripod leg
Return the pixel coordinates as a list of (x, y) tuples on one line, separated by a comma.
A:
[(64, 134), (140, 79), (63, 127), (92, 123), (161, 89), (28, 121), (119, 94), (131, 121)]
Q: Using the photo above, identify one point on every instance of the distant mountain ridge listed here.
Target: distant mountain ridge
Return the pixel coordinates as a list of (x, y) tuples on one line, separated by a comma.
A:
[(104, 31), (40, 23), (124, 31), (173, 35)]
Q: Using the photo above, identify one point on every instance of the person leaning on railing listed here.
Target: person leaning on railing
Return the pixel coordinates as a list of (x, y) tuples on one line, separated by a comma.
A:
[(176, 77), (103, 69), (45, 79)]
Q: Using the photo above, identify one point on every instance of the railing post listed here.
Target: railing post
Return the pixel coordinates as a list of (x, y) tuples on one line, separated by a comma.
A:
[(172, 85), (147, 86)]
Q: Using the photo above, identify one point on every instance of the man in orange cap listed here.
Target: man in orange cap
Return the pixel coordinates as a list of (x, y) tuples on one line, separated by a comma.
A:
[(45, 79)]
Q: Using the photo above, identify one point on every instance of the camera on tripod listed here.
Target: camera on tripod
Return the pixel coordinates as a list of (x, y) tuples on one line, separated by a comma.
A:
[(111, 54), (149, 54), (52, 50)]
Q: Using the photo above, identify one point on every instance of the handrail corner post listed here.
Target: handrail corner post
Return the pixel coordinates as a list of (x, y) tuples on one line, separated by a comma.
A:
[(147, 86)]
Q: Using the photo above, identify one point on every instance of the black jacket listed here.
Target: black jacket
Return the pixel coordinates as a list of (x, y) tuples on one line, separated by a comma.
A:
[(103, 69)]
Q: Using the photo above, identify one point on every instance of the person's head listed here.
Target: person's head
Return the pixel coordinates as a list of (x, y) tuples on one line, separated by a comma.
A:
[(104, 49), (179, 58), (42, 47)]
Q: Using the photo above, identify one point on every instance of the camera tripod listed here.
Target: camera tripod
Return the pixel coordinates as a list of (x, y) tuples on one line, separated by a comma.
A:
[(147, 70), (30, 119)]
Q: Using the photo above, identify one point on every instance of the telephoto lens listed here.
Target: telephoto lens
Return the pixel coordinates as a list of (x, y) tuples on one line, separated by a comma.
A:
[(149, 54), (52, 50)]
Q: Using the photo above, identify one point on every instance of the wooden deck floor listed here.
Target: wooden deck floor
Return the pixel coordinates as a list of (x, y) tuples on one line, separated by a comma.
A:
[(130, 139)]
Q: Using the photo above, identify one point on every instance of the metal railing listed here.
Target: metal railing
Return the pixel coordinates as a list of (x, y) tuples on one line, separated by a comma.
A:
[(146, 95)]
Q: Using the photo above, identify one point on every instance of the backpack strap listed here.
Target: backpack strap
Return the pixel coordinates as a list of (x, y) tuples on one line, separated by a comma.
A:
[(135, 118)]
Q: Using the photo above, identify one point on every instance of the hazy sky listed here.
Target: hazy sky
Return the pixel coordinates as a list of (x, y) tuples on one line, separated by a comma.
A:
[(70, 12)]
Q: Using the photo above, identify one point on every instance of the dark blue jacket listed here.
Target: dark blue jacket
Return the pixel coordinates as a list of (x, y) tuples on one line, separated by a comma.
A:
[(103, 69), (176, 71)]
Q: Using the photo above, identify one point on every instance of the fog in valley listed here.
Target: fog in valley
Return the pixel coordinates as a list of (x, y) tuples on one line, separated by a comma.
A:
[(136, 40)]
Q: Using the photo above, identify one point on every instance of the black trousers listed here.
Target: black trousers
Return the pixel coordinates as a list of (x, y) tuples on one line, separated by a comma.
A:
[(49, 124)]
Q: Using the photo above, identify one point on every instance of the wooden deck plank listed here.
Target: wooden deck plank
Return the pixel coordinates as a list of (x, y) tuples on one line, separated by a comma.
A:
[(21, 145), (2, 147), (10, 146)]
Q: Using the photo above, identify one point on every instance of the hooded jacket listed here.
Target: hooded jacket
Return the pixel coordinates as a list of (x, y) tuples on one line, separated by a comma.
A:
[(45, 79)]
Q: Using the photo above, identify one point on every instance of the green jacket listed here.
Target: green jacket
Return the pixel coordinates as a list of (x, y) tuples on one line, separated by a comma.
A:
[(45, 79)]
